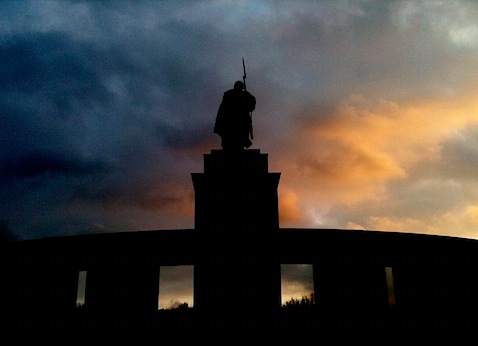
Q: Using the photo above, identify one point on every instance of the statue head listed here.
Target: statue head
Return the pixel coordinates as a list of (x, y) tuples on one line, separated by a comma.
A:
[(238, 85)]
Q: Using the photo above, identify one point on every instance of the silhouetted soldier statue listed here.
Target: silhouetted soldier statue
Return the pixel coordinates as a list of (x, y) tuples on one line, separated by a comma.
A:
[(234, 121)]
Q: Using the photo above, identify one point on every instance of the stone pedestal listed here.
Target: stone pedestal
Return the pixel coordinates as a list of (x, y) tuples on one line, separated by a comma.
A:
[(236, 220)]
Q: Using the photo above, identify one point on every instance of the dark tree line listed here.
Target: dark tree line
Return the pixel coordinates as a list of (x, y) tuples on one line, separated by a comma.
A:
[(306, 302)]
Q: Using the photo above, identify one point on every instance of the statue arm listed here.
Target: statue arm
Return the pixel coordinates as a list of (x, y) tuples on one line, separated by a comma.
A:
[(251, 102), (219, 124)]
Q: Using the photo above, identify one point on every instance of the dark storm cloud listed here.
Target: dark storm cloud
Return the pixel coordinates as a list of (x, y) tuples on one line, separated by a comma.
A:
[(40, 164), (5, 234), (186, 137), (47, 82), (96, 121), (51, 64), (56, 74), (101, 113)]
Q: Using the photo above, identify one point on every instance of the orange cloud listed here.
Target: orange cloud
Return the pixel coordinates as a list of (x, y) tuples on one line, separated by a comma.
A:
[(350, 154), (472, 212), (404, 133), (462, 222), (288, 207)]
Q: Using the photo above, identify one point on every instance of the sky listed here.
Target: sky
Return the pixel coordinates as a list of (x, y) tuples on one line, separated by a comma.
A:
[(369, 109)]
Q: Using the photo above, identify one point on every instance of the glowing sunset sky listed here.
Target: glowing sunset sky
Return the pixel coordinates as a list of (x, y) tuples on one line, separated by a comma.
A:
[(369, 109)]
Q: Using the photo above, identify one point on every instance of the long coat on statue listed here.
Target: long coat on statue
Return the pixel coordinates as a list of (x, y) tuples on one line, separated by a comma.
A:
[(233, 121)]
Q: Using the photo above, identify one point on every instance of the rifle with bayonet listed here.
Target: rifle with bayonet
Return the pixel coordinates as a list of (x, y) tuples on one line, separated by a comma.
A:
[(245, 89)]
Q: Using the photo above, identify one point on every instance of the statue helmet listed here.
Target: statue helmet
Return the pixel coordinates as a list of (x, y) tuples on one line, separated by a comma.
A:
[(238, 85)]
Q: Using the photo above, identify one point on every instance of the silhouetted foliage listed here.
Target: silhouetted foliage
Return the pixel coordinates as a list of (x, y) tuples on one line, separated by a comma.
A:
[(181, 306), (178, 307), (300, 304)]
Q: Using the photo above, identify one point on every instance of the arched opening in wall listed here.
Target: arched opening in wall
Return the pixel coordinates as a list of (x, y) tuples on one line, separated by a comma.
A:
[(81, 289), (297, 284), (176, 287)]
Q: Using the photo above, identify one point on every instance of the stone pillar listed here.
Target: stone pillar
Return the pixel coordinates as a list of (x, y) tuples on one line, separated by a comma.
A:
[(236, 220)]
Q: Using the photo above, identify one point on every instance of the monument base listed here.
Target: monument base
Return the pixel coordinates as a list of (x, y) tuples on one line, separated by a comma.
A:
[(236, 223)]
